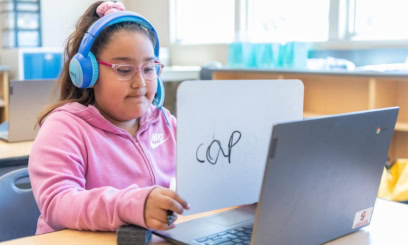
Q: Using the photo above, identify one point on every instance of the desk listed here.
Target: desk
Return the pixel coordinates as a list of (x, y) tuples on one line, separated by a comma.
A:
[(17, 149), (388, 226), (14, 155)]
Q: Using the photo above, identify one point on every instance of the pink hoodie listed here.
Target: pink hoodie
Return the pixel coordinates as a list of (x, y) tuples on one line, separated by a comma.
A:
[(88, 174)]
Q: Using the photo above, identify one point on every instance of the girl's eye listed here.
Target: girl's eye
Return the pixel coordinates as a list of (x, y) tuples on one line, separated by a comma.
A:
[(124, 69), (148, 70)]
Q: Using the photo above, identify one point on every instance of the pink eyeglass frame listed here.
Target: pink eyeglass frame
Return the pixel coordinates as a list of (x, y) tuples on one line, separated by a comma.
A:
[(139, 69)]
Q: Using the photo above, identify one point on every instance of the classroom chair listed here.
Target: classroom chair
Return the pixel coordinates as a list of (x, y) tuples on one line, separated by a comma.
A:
[(18, 210)]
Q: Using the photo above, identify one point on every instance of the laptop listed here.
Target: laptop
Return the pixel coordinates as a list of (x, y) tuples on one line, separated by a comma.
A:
[(320, 182), (27, 98)]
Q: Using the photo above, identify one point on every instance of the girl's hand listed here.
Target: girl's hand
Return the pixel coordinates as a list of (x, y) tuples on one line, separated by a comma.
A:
[(157, 203)]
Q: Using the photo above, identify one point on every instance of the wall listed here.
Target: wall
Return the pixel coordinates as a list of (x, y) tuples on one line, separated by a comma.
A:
[(157, 12), (59, 18), (58, 24)]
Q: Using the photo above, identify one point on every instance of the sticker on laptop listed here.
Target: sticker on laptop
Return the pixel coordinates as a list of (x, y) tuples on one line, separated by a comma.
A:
[(362, 217)]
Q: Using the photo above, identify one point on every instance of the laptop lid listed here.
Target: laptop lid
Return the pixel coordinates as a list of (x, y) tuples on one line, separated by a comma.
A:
[(322, 177), (223, 135), (26, 100)]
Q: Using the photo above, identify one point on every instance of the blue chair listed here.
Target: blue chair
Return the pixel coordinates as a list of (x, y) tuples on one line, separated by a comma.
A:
[(18, 210)]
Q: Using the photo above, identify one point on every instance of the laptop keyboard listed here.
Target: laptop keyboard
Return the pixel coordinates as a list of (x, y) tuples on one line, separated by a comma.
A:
[(239, 235)]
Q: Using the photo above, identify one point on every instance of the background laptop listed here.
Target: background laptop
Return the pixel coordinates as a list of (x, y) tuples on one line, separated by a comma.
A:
[(320, 182), (26, 100)]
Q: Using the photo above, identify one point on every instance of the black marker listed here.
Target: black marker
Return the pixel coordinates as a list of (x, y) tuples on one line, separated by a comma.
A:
[(170, 213), (169, 217)]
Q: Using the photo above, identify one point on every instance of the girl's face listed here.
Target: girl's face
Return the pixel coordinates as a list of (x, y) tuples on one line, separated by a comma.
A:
[(118, 100)]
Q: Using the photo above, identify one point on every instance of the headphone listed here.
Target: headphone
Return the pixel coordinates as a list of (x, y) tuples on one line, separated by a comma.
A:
[(83, 67)]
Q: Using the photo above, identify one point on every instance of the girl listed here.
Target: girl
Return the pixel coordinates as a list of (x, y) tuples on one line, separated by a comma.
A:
[(104, 153)]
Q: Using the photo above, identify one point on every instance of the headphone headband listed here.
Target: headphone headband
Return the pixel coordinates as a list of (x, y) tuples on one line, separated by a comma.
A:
[(83, 67), (114, 18)]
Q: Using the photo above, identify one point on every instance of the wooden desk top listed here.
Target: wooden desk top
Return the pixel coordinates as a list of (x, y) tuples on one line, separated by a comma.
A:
[(72, 237), (17, 149), (388, 226)]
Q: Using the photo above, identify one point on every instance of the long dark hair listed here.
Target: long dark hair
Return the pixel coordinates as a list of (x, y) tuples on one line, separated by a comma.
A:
[(67, 91)]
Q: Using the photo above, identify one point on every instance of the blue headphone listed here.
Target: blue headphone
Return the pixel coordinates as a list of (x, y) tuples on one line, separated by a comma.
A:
[(83, 68)]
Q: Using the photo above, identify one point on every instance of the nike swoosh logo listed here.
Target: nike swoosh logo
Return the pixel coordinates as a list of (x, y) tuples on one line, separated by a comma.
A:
[(156, 144)]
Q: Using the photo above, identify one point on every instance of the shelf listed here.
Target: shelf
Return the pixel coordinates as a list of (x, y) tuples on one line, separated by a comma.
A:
[(20, 29), (310, 115), (402, 127), (19, 11), (180, 73)]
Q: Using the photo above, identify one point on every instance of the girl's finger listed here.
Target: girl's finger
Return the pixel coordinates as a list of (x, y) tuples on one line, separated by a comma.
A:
[(177, 197), (171, 204), (158, 225)]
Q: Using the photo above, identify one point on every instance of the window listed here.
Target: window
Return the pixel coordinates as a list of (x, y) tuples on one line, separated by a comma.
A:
[(378, 19), (289, 20), (21, 23), (209, 21)]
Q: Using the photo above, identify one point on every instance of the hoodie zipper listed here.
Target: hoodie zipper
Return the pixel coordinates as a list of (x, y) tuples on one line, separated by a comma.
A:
[(149, 166), (143, 128)]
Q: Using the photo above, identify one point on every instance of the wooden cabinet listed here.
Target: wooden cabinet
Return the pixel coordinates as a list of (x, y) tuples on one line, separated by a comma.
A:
[(332, 93), (4, 94)]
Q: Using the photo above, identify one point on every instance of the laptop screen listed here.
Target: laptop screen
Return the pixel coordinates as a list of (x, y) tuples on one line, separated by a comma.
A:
[(26, 100)]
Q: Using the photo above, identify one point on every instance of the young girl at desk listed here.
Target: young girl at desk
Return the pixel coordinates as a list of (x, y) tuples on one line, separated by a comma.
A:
[(106, 151)]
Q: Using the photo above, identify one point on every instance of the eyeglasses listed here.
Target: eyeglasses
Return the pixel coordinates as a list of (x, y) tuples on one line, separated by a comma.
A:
[(127, 72)]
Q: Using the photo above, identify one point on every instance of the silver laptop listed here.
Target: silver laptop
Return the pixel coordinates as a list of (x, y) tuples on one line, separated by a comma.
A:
[(26, 100), (320, 182)]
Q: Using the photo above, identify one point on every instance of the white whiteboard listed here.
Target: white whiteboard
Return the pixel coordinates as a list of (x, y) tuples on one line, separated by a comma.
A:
[(236, 116)]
